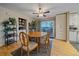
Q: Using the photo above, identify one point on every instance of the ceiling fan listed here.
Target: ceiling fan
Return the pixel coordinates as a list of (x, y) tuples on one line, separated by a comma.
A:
[(41, 12)]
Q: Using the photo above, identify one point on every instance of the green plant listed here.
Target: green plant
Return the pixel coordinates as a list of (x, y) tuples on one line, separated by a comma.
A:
[(12, 20), (33, 24)]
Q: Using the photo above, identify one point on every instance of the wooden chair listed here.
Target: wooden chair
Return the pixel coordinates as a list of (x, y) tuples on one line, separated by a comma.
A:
[(47, 41), (26, 44)]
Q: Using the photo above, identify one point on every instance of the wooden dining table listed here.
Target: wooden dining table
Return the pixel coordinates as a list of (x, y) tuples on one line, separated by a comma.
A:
[(37, 36)]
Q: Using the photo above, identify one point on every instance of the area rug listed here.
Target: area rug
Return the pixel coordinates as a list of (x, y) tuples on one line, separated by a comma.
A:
[(42, 52)]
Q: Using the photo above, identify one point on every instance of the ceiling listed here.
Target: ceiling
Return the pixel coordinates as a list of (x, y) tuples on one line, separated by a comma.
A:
[(54, 8)]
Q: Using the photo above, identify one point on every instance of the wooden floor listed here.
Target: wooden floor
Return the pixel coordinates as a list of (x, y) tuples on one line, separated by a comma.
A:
[(60, 48)]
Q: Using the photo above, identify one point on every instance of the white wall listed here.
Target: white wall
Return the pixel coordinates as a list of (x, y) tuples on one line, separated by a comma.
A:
[(4, 15), (61, 26)]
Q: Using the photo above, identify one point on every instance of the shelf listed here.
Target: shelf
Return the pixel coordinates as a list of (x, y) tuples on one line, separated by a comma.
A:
[(9, 41), (10, 35)]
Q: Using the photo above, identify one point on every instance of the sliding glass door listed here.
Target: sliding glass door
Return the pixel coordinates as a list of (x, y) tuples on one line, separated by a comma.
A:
[(47, 26)]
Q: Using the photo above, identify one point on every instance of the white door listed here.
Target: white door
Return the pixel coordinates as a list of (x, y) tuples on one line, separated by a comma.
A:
[(61, 26)]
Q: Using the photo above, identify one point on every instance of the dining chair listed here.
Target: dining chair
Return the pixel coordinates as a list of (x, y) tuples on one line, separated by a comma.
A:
[(47, 41), (27, 45)]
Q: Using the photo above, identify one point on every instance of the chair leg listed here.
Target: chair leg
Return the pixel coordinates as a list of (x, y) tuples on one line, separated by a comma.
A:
[(37, 49), (21, 52), (47, 45), (28, 53)]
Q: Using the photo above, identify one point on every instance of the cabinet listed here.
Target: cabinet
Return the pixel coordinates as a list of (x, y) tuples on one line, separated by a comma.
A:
[(72, 36)]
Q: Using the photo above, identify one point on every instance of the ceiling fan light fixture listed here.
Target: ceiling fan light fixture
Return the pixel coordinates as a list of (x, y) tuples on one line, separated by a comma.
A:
[(40, 14)]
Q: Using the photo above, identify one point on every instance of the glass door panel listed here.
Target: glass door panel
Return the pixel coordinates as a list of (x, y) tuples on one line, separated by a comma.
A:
[(47, 26)]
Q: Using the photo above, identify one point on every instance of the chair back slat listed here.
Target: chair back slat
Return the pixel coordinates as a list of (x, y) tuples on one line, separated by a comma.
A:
[(23, 38)]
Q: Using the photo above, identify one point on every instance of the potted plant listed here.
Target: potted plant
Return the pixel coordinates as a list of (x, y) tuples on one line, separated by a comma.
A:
[(12, 20)]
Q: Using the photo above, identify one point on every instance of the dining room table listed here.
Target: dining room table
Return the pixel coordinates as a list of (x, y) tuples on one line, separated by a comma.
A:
[(37, 36)]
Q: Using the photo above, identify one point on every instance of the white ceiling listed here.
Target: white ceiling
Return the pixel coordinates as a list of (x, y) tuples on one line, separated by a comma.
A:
[(54, 8)]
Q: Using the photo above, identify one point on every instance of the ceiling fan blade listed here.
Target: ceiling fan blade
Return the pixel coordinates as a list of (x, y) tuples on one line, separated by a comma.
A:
[(47, 12), (44, 15), (37, 15)]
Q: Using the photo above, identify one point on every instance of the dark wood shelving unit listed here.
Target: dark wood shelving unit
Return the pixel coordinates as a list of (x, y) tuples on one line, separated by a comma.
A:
[(10, 31), (22, 24), (11, 36)]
